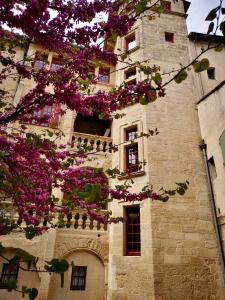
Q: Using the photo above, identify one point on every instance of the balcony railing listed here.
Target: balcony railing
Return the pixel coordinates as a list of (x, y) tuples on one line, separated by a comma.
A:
[(92, 143), (78, 220), (81, 221)]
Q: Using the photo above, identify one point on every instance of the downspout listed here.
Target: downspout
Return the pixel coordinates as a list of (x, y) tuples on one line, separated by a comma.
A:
[(26, 48), (203, 147)]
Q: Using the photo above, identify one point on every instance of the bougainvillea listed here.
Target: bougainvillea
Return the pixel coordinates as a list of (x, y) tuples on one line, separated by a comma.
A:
[(32, 165)]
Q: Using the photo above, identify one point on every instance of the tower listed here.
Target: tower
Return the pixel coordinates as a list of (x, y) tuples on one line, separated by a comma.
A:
[(164, 250)]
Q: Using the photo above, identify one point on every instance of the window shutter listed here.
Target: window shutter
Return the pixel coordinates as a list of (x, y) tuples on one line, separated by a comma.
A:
[(222, 145), (54, 121)]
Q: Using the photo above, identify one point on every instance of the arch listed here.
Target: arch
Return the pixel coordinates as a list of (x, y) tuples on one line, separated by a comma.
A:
[(94, 279), (65, 247)]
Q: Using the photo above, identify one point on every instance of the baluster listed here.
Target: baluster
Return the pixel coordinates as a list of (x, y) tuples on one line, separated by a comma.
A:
[(104, 144), (80, 222), (68, 223), (88, 223), (97, 145), (85, 144), (73, 142), (91, 224), (84, 218), (98, 226), (110, 147), (92, 145), (79, 141), (95, 223), (76, 217)]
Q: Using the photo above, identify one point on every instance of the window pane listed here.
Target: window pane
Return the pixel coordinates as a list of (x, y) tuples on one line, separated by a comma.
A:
[(78, 278), (103, 75), (133, 238), (9, 273)]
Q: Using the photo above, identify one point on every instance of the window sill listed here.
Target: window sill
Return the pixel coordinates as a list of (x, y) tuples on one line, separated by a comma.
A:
[(133, 49), (105, 84), (131, 175)]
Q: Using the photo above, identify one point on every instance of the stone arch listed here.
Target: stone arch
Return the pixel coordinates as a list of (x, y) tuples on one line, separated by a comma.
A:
[(94, 246), (95, 278)]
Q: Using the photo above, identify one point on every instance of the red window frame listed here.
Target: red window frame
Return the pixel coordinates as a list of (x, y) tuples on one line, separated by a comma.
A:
[(40, 60), (45, 112), (9, 273), (104, 75), (133, 231), (166, 5), (130, 42), (169, 37), (131, 133), (78, 278), (56, 64), (132, 161)]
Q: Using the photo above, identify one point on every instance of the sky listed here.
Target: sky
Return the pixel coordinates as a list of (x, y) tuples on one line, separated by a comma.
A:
[(197, 13)]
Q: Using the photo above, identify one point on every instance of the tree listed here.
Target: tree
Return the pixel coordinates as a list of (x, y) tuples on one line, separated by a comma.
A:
[(50, 23)]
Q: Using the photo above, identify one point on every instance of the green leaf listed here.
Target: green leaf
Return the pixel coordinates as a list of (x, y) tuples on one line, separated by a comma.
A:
[(30, 232), (222, 27), (12, 285), (144, 100), (181, 76), (219, 48), (157, 78), (15, 260), (33, 293), (202, 65), (140, 7), (210, 28), (212, 14)]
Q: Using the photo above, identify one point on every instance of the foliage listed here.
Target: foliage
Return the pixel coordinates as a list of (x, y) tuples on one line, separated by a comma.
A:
[(33, 164)]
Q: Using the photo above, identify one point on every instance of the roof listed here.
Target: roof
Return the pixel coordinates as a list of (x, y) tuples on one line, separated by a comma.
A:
[(196, 36)]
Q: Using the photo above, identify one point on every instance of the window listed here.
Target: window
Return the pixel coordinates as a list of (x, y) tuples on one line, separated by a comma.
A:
[(211, 73), (131, 151), (132, 162), (169, 37), (45, 113), (166, 5), (130, 41), (78, 278), (9, 273), (133, 236), (56, 64), (103, 75), (130, 73), (40, 60), (131, 134)]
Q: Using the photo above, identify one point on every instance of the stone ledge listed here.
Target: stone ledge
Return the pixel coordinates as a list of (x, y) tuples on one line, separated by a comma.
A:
[(134, 174)]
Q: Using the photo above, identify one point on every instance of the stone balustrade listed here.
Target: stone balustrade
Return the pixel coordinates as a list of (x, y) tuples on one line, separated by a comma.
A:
[(78, 220), (91, 143)]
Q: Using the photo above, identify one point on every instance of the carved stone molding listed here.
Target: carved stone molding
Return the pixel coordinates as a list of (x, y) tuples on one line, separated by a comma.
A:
[(68, 246)]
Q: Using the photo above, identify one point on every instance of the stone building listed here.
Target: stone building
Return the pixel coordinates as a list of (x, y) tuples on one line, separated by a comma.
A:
[(168, 250)]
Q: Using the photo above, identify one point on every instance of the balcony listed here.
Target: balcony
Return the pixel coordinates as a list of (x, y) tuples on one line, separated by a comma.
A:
[(92, 143), (77, 220)]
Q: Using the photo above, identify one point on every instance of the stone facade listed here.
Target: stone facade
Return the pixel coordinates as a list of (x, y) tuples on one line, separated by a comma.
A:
[(179, 256)]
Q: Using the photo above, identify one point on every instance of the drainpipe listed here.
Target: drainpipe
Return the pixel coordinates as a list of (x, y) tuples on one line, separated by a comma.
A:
[(203, 147)]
